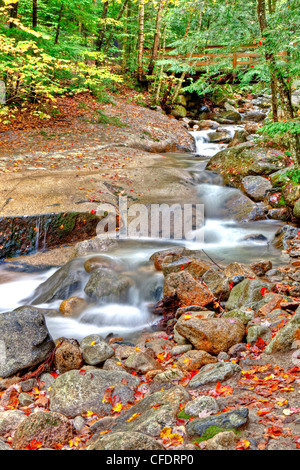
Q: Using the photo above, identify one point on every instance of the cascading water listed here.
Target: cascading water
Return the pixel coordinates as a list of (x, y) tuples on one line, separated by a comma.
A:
[(224, 240)]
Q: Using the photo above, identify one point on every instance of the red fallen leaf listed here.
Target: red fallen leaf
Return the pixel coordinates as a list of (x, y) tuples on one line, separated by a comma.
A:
[(260, 42), (231, 285), (34, 445), (260, 343), (263, 290), (275, 430), (82, 372), (242, 444)]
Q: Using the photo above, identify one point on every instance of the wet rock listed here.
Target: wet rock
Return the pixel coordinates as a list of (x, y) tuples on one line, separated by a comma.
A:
[(255, 116), (237, 269), (208, 124), (26, 340), (246, 159), (274, 275), (261, 267), (193, 360), (105, 283), (76, 392), (46, 427), (219, 136), (188, 290), (212, 373), (280, 213), (68, 355), (255, 187), (218, 283), (72, 307), (95, 350), (239, 137), (195, 267), (283, 235), (96, 262), (94, 245), (229, 420), (247, 293), (61, 285), (122, 441), (201, 405), (195, 310), (212, 335), (240, 208), (228, 117)]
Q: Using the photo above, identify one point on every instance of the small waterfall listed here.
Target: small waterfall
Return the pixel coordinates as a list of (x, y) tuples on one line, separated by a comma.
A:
[(205, 148)]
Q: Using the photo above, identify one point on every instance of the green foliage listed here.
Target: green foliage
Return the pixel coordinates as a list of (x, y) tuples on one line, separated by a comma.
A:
[(294, 175), (211, 432), (282, 127)]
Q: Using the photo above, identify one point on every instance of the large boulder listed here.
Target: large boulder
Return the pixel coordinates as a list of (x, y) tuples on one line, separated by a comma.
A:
[(246, 159), (76, 392), (247, 293), (105, 283), (24, 340), (229, 420), (122, 441), (286, 336), (153, 412), (45, 427), (212, 335), (61, 285), (189, 291), (256, 187), (95, 350)]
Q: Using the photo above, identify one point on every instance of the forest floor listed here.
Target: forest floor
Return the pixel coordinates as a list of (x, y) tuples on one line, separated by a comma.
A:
[(74, 160)]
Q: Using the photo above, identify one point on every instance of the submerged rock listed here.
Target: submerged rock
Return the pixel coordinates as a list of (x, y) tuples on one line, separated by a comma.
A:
[(105, 282), (61, 285)]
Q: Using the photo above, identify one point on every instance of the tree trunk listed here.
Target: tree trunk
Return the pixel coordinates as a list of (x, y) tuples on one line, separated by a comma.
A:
[(181, 80), (278, 82), (58, 24), (141, 41), (102, 27), (34, 13), (156, 37), (13, 14)]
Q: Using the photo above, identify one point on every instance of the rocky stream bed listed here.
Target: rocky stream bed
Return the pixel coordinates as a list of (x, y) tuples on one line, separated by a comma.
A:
[(164, 345)]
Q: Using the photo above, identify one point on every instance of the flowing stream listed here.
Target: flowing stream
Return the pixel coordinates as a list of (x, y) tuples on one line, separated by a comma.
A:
[(225, 241)]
